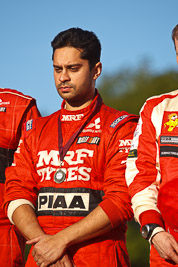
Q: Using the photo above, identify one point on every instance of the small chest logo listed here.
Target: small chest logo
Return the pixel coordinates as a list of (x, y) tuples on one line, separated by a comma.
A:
[(2, 109), (93, 127), (4, 102), (88, 140), (96, 124), (29, 125), (172, 122), (77, 117)]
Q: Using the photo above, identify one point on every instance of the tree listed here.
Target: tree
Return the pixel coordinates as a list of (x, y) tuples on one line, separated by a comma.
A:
[(128, 90)]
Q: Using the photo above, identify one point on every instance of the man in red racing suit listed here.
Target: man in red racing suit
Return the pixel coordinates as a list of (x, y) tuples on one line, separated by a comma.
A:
[(15, 109), (151, 166), (95, 175)]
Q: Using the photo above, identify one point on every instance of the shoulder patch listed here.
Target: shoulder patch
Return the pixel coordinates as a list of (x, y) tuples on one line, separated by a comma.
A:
[(29, 125), (113, 125)]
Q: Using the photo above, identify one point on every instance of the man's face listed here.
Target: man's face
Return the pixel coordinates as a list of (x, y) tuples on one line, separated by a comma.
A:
[(176, 46), (74, 80)]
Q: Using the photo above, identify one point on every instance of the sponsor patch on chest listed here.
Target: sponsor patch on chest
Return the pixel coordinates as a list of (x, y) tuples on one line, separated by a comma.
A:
[(61, 201), (169, 151), (88, 140), (76, 117), (67, 201), (169, 135), (170, 122), (171, 140), (93, 127), (75, 164)]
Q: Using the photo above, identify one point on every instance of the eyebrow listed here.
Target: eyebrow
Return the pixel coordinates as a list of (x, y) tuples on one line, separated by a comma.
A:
[(68, 66)]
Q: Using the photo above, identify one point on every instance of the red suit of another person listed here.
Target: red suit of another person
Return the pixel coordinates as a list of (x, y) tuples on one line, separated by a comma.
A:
[(15, 109), (152, 168)]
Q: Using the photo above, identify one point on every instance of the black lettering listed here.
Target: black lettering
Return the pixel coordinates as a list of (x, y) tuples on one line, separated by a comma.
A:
[(169, 151), (50, 202), (60, 202), (77, 202), (42, 201)]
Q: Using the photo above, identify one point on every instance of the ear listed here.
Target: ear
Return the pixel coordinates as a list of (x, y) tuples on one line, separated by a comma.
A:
[(97, 70)]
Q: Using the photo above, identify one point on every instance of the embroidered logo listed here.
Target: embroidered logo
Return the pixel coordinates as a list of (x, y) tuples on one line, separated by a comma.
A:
[(118, 120), (96, 124), (2, 109), (88, 140), (4, 103), (29, 125), (77, 117), (172, 122), (93, 127)]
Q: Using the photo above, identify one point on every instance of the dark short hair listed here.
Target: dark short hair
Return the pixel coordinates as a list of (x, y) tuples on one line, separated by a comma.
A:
[(87, 41), (175, 33)]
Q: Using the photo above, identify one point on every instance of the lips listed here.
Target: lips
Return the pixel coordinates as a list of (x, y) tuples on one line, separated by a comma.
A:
[(65, 88)]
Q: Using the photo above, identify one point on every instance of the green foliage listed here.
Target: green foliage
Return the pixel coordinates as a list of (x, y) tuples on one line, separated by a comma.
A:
[(128, 90), (138, 248), (27, 250)]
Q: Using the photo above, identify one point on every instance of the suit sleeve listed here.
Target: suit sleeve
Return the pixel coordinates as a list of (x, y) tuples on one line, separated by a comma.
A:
[(116, 201), (142, 174), (21, 177), (31, 112)]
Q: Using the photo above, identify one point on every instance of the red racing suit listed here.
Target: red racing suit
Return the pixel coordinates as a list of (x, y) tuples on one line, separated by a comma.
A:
[(15, 109), (152, 161), (95, 175)]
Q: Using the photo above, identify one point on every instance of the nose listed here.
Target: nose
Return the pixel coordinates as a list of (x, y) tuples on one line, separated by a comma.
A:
[(64, 76)]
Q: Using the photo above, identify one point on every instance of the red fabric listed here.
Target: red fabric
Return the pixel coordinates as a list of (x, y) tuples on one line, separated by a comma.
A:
[(95, 252), (19, 108), (112, 211), (167, 203), (12, 247), (95, 173), (151, 216)]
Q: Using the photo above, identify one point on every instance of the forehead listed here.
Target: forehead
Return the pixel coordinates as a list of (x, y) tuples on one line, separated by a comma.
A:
[(67, 55)]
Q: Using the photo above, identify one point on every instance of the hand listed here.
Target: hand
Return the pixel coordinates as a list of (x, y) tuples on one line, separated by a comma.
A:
[(66, 261), (166, 246), (47, 250)]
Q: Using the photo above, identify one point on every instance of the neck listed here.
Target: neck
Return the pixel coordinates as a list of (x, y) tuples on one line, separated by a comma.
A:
[(77, 105)]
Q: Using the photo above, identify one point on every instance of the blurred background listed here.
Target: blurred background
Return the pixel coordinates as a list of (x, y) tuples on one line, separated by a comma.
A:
[(138, 57)]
